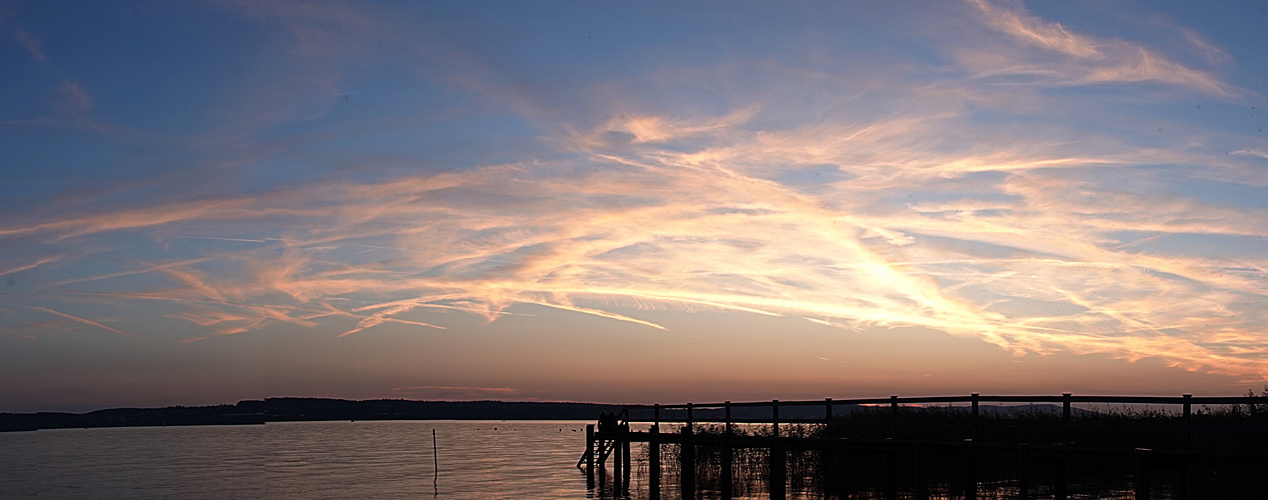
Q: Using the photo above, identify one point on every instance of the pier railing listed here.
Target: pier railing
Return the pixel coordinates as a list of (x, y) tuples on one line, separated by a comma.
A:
[(894, 430)]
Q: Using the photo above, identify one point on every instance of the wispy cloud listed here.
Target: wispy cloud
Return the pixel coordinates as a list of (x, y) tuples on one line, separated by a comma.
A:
[(73, 98), (1087, 59), (30, 43), (32, 265), (78, 319)]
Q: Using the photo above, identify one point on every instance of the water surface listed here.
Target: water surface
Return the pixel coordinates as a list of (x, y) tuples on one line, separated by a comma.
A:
[(301, 460)]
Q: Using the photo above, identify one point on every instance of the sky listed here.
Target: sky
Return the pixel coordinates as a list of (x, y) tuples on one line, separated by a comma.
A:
[(209, 201)]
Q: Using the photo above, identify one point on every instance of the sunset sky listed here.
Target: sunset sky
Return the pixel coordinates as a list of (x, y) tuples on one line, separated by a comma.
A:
[(210, 201)]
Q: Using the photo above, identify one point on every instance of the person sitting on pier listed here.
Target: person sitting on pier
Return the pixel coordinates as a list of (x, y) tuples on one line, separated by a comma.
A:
[(607, 422)]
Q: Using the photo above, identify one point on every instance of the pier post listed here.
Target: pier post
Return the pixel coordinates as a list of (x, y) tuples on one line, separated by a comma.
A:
[(624, 431), (828, 480), (1023, 473), (603, 468), (1144, 466), (778, 459), (970, 472), (842, 470), (891, 475), (687, 460), (1059, 490), (653, 462), (921, 475), (617, 471), (590, 456), (727, 455)]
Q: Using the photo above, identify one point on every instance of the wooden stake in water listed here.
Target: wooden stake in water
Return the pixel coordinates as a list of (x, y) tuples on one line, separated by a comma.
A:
[(435, 462)]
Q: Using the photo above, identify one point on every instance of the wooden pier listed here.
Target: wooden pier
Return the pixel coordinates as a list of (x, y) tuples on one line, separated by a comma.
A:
[(907, 459)]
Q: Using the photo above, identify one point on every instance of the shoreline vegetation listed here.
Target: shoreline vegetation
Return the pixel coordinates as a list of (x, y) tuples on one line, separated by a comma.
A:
[(255, 412)]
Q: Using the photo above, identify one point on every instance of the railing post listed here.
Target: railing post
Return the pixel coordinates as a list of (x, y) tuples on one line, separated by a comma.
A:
[(1065, 418), (1182, 479), (1188, 420), (653, 459), (778, 463), (775, 416), (973, 425), (727, 416), (727, 454), (893, 413)]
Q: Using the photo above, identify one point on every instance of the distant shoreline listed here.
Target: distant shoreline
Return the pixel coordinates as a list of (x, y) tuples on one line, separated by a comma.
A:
[(255, 412)]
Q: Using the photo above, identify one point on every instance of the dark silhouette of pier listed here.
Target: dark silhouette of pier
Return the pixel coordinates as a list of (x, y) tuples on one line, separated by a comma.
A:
[(884, 446)]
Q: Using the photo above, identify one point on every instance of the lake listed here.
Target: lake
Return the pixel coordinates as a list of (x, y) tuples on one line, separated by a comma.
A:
[(300, 460)]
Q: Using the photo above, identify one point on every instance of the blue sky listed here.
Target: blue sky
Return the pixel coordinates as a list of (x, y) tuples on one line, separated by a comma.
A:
[(212, 201)]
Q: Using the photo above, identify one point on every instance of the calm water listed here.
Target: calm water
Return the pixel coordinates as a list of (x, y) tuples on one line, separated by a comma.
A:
[(298, 460)]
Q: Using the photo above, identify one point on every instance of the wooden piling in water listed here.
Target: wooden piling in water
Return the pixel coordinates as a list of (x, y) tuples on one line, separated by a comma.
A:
[(727, 455), (970, 477), (603, 465), (842, 470), (653, 460), (590, 456), (778, 458), (829, 456), (625, 455), (891, 476), (1059, 489), (687, 461), (617, 462), (920, 475), (1144, 468), (1023, 473)]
